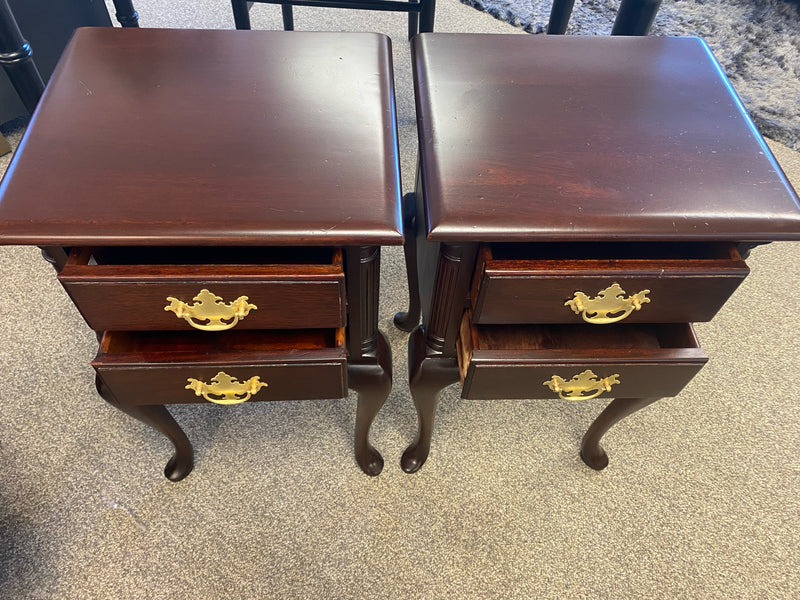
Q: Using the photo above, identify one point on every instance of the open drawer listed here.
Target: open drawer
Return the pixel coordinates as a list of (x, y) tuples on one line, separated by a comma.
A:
[(175, 367), (551, 361), (118, 289), (604, 283)]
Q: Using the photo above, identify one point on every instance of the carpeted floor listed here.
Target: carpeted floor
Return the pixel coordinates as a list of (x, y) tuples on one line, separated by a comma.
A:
[(756, 41), (701, 499)]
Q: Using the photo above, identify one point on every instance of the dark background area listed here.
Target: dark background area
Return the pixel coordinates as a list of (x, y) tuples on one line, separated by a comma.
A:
[(47, 25)]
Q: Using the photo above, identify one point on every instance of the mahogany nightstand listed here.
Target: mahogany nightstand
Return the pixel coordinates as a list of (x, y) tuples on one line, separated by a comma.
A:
[(580, 202), (214, 203)]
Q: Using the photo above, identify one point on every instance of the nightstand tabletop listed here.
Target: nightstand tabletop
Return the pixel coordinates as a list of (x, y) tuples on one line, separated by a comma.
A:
[(579, 138), (184, 137)]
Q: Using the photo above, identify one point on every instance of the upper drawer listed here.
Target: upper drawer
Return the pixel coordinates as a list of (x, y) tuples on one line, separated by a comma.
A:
[(120, 289), (170, 367), (572, 283)]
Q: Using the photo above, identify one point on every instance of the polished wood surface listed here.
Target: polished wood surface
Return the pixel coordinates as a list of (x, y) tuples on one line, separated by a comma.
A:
[(258, 164), (690, 289), (550, 165), (210, 138), (510, 361), (133, 297), (153, 368), (575, 138)]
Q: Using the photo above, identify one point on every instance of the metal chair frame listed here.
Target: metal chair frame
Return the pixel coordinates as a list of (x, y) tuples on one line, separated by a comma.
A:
[(420, 12)]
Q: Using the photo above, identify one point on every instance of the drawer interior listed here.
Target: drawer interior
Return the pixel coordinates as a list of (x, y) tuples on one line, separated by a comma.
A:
[(199, 255), (173, 346), (581, 342), (581, 337), (612, 251)]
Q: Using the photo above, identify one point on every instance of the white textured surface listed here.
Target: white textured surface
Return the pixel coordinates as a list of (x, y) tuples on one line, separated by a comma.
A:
[(701, 498)]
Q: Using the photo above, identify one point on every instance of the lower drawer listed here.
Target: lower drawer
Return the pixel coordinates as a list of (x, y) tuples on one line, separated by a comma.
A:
[(173, 368), (577, 362)]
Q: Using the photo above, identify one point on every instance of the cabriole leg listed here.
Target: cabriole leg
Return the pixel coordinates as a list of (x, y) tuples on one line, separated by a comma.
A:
[(591, 451), (373, 382), (429, 374), (158, 417)]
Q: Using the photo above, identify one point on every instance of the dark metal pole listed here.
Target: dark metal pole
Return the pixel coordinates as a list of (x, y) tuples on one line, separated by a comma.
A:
[(635, 17), (126, 14), (16, 58), (559, 16)]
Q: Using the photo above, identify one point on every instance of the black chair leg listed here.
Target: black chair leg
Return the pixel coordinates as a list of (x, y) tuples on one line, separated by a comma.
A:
[(16, 59), (426, 16), (635, 17), (559, 16), (241, 14), (126, 14), (288, 17), (413, 24)]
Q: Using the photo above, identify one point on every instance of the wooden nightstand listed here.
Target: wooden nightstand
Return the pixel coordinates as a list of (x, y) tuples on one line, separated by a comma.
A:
[(215, 203), (580, 202)]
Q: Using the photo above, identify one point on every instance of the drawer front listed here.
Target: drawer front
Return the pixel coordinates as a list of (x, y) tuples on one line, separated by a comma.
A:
[(172, 371), (603, 291), (146, 384), (555, 370), (171, 297)]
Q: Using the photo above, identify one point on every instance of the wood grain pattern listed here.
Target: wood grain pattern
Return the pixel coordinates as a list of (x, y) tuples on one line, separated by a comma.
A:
[(513, 361), (689, 289), (449, 296), (216, 138), (142, 369), (132, 297), (362, 266), (537, 138)]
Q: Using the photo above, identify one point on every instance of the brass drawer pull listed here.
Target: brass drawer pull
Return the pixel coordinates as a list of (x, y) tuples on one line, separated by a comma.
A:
[(581, 386), (225, 389), (609, 301), (209, 312)]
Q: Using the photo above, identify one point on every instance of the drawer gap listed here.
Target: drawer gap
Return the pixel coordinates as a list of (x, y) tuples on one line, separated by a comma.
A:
[(614, 251), (215, 255), (582, 337), (155, 342), (507, 361)]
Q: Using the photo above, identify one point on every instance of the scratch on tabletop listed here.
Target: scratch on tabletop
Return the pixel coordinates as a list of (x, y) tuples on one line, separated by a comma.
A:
[(329, 229)]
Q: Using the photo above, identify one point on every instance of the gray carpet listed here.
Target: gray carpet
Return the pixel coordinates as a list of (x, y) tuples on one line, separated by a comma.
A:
[(756, 41), (700, 499)]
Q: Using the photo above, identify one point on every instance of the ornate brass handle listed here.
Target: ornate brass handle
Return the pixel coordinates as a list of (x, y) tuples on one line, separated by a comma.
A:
[(607, 302), (209, 312), (225, 389), (583, 386)]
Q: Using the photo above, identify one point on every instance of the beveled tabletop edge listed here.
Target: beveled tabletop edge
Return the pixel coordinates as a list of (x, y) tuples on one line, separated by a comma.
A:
[(450, 235), (386, 232), (333, 237), (748, 230)]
